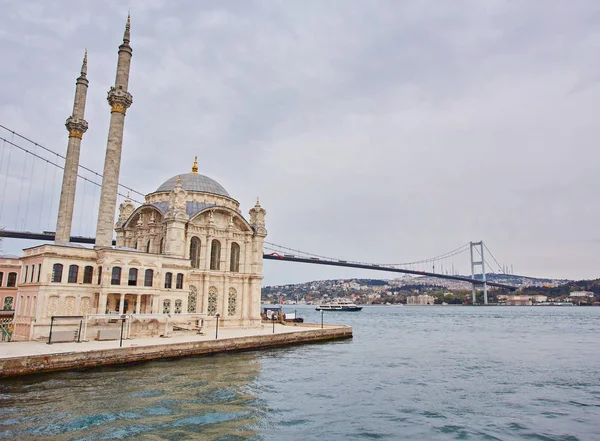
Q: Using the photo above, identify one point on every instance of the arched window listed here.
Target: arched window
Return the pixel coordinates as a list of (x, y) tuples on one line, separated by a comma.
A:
[(234, 266), (179, 281), (148, 276), (195, 252), (162, 243), (232, 301), (73, 271), (8, 304), (32, 271), (39, 272), (56, 273), (166, 306), (148, 246), (215, 255), (115, 278), (1, 278), (133, 273), (192, 299), (136, 245), (88, 273), (212, 301), (178, 303), (99, 275), (168, 280), (25, 277)]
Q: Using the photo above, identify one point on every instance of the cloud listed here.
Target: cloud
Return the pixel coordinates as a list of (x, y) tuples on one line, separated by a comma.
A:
[(373, 131)]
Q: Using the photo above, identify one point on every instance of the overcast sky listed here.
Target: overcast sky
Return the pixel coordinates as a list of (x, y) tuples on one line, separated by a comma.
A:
[(376, 131)]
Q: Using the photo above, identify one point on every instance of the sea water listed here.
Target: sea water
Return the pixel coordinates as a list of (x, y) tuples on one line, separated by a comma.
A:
[(409, 373)]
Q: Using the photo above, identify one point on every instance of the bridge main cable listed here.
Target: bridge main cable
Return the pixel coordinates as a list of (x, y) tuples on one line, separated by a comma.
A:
[(62, 168), (384, 268), (57, 154), (454, 252)]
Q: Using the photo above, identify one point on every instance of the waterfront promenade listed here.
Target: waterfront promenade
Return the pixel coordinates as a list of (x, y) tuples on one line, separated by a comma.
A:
[(20, 358)]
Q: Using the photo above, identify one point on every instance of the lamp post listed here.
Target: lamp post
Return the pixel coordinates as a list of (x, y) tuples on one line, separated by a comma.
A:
[(122, 325), (273, 320), (322, 319), (217, 327), (50, 336)]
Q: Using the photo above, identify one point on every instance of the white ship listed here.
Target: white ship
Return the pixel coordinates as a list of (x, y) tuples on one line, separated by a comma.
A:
[(339, 305)]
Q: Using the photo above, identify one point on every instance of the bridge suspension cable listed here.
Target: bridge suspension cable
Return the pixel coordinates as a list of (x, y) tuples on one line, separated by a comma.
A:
[(488, 266), (495, 260), (452, 253), (6, 141), (61, 156), (277, 248)]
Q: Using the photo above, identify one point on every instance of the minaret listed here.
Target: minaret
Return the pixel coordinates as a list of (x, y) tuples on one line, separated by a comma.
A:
[(119, 100), (76, 126), (257, 221)]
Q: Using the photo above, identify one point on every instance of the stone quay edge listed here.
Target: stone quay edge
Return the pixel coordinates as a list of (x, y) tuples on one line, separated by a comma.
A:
[(77, 360)]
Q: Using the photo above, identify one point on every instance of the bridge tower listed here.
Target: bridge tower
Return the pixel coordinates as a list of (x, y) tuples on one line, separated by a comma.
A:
[(120, 100), (77, 126), (478, 246)]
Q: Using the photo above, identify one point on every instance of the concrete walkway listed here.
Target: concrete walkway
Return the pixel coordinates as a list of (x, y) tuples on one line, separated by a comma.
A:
[(32, 348)]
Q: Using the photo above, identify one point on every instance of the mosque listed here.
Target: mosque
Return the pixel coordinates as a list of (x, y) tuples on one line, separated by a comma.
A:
[(184, 259)]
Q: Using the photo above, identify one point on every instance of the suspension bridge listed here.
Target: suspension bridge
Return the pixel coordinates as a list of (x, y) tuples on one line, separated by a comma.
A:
[(30, 182)]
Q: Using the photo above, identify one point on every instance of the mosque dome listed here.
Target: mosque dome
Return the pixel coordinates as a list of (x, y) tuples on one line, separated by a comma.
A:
[(194, 182)]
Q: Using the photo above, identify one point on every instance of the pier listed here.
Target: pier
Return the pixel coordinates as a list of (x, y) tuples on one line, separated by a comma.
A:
[(35, 357)]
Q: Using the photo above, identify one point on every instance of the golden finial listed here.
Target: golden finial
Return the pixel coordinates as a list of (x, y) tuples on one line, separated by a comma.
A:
[(179, 179), (195, 166)]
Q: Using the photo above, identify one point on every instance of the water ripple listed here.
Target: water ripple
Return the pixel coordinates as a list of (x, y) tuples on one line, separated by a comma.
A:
[(423, 373)]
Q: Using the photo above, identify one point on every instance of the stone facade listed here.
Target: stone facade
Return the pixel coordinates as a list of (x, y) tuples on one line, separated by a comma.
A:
[(186, 256)]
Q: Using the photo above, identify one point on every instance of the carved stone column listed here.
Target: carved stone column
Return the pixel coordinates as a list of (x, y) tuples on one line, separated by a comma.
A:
[(120, 100)]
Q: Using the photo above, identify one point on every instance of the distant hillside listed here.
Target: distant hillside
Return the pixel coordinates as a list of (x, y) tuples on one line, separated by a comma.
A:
[(566, 288), (520, 281), (395, 290), (508, 279)]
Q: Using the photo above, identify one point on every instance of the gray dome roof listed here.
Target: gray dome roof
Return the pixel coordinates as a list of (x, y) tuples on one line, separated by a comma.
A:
[(194, 182)]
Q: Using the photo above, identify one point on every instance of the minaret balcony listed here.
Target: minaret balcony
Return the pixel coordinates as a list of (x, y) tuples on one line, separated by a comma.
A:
[(76, 126), (119, 100)]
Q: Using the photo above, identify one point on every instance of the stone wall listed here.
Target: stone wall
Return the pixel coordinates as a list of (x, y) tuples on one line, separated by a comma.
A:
[(82, 360)]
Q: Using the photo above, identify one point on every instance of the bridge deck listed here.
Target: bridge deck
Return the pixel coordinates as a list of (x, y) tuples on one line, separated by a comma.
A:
[(340, 263)]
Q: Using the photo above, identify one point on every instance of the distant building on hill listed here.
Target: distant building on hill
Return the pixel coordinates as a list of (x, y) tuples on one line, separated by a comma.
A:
[(422, 299), (588, 294), (518, 300)]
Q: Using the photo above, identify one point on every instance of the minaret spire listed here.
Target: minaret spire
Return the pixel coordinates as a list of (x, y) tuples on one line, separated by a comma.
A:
[(126, 35), (120, 100), (84, 65), (77, 126)]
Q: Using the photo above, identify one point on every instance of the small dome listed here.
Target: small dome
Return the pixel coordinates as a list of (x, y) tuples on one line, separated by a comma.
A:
[(194, 182)]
